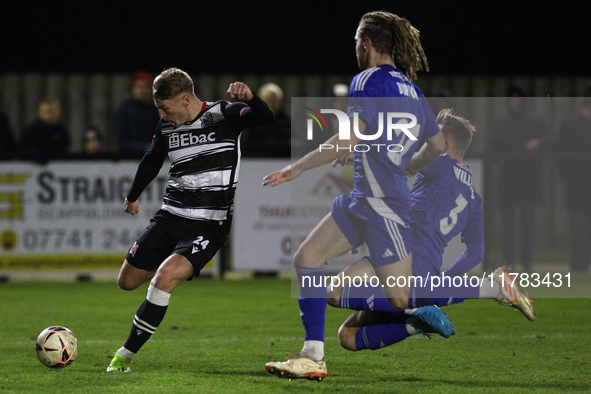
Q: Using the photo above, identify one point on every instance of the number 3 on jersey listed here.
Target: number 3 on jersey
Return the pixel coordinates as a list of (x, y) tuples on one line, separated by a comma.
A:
[(199, 242), (445, 225)]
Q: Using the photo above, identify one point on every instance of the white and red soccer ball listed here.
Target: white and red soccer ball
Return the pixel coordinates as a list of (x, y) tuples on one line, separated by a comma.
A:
[(57, 347)]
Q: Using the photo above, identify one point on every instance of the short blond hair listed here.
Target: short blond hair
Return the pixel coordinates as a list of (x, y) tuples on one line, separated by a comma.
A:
[(456, 128), (172, 82)]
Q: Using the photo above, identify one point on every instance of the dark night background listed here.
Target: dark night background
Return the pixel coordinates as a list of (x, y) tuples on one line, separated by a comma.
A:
[(288, 37)]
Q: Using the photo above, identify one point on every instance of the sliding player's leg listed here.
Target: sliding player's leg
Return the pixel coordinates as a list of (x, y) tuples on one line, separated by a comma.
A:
[(359, 319), (444, 290), (389, 245), (375, 330), (356, 288), (510, 294)]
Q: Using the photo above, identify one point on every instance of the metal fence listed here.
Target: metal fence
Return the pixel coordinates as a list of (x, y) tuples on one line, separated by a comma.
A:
[(93, 99)]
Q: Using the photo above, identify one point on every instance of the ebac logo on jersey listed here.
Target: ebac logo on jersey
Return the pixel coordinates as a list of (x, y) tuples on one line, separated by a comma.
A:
[(177, 140)]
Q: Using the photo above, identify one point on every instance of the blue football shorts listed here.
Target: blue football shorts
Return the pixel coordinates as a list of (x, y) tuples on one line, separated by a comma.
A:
[(388, 241)]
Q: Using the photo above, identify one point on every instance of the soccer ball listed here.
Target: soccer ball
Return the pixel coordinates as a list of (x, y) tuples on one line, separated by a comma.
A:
[(57, 347)]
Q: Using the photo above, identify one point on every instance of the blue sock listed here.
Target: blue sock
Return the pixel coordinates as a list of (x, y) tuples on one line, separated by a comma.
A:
[(367, 298), (380, 335), (312, 302), (313, 313)]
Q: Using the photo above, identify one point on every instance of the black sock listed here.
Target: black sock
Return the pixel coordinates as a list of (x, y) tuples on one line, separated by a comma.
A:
[(147, 319)]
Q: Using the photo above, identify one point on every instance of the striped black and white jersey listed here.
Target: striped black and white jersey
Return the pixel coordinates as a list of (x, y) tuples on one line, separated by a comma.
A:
[(204, 159)]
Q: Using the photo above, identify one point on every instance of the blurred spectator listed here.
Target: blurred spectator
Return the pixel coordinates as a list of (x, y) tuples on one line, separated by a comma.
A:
[(340, 92), (93, 142), (46, 138), (574, 167), (520, 182), (134, 123), (7, 145), (93, 146), (273, 140)]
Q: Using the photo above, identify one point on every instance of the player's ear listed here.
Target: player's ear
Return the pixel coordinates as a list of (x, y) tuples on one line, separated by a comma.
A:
[(186, 100), (448, 145)]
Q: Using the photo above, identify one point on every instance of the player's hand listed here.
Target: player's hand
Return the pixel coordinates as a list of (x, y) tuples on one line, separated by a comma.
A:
[(281, 176), (131, 208), (410, 172), (344, 160), (240, 91)]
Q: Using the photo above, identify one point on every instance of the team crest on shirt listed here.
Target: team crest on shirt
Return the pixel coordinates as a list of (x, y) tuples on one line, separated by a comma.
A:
[(206, 120), (133, 249)]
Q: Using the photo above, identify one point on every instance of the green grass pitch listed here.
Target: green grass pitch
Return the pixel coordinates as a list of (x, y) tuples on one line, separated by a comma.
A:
[(218, 335)]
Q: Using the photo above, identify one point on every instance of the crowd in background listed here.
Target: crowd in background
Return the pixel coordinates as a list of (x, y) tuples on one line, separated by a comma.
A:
[(47, 138), (515, 147)]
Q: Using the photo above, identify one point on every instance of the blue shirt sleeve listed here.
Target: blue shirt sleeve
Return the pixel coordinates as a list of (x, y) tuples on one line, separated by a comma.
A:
[(431, 126), (467, 261), (473, 233)]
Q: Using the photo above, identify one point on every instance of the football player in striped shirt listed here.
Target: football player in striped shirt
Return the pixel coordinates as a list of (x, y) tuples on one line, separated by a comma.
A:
[(444, 204), (377, 211), (201, 139)]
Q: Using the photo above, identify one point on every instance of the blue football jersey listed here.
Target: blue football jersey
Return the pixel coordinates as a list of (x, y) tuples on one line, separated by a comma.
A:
[(378, 170), (444, 203)]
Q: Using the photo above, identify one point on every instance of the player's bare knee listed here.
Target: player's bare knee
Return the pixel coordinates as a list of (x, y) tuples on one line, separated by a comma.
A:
[(167, 280), (125, 283), (302, 258), (335, 302), (305, 257), (161, 280), (347, 337)]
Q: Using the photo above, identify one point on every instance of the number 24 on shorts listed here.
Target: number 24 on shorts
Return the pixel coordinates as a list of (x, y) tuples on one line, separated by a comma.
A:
[(199, 242)]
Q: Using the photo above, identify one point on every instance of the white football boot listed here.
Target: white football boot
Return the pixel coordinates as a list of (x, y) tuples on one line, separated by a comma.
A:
[(513, 295), (298, 366)]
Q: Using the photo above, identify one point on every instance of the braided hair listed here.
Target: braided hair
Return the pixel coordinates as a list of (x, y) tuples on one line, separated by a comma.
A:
[(394, 35)]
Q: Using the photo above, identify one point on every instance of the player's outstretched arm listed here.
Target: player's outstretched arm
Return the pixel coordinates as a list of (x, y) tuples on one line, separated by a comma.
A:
[(344, 160), (315, 158), (281, 176), (430, 151), (147, 170)]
